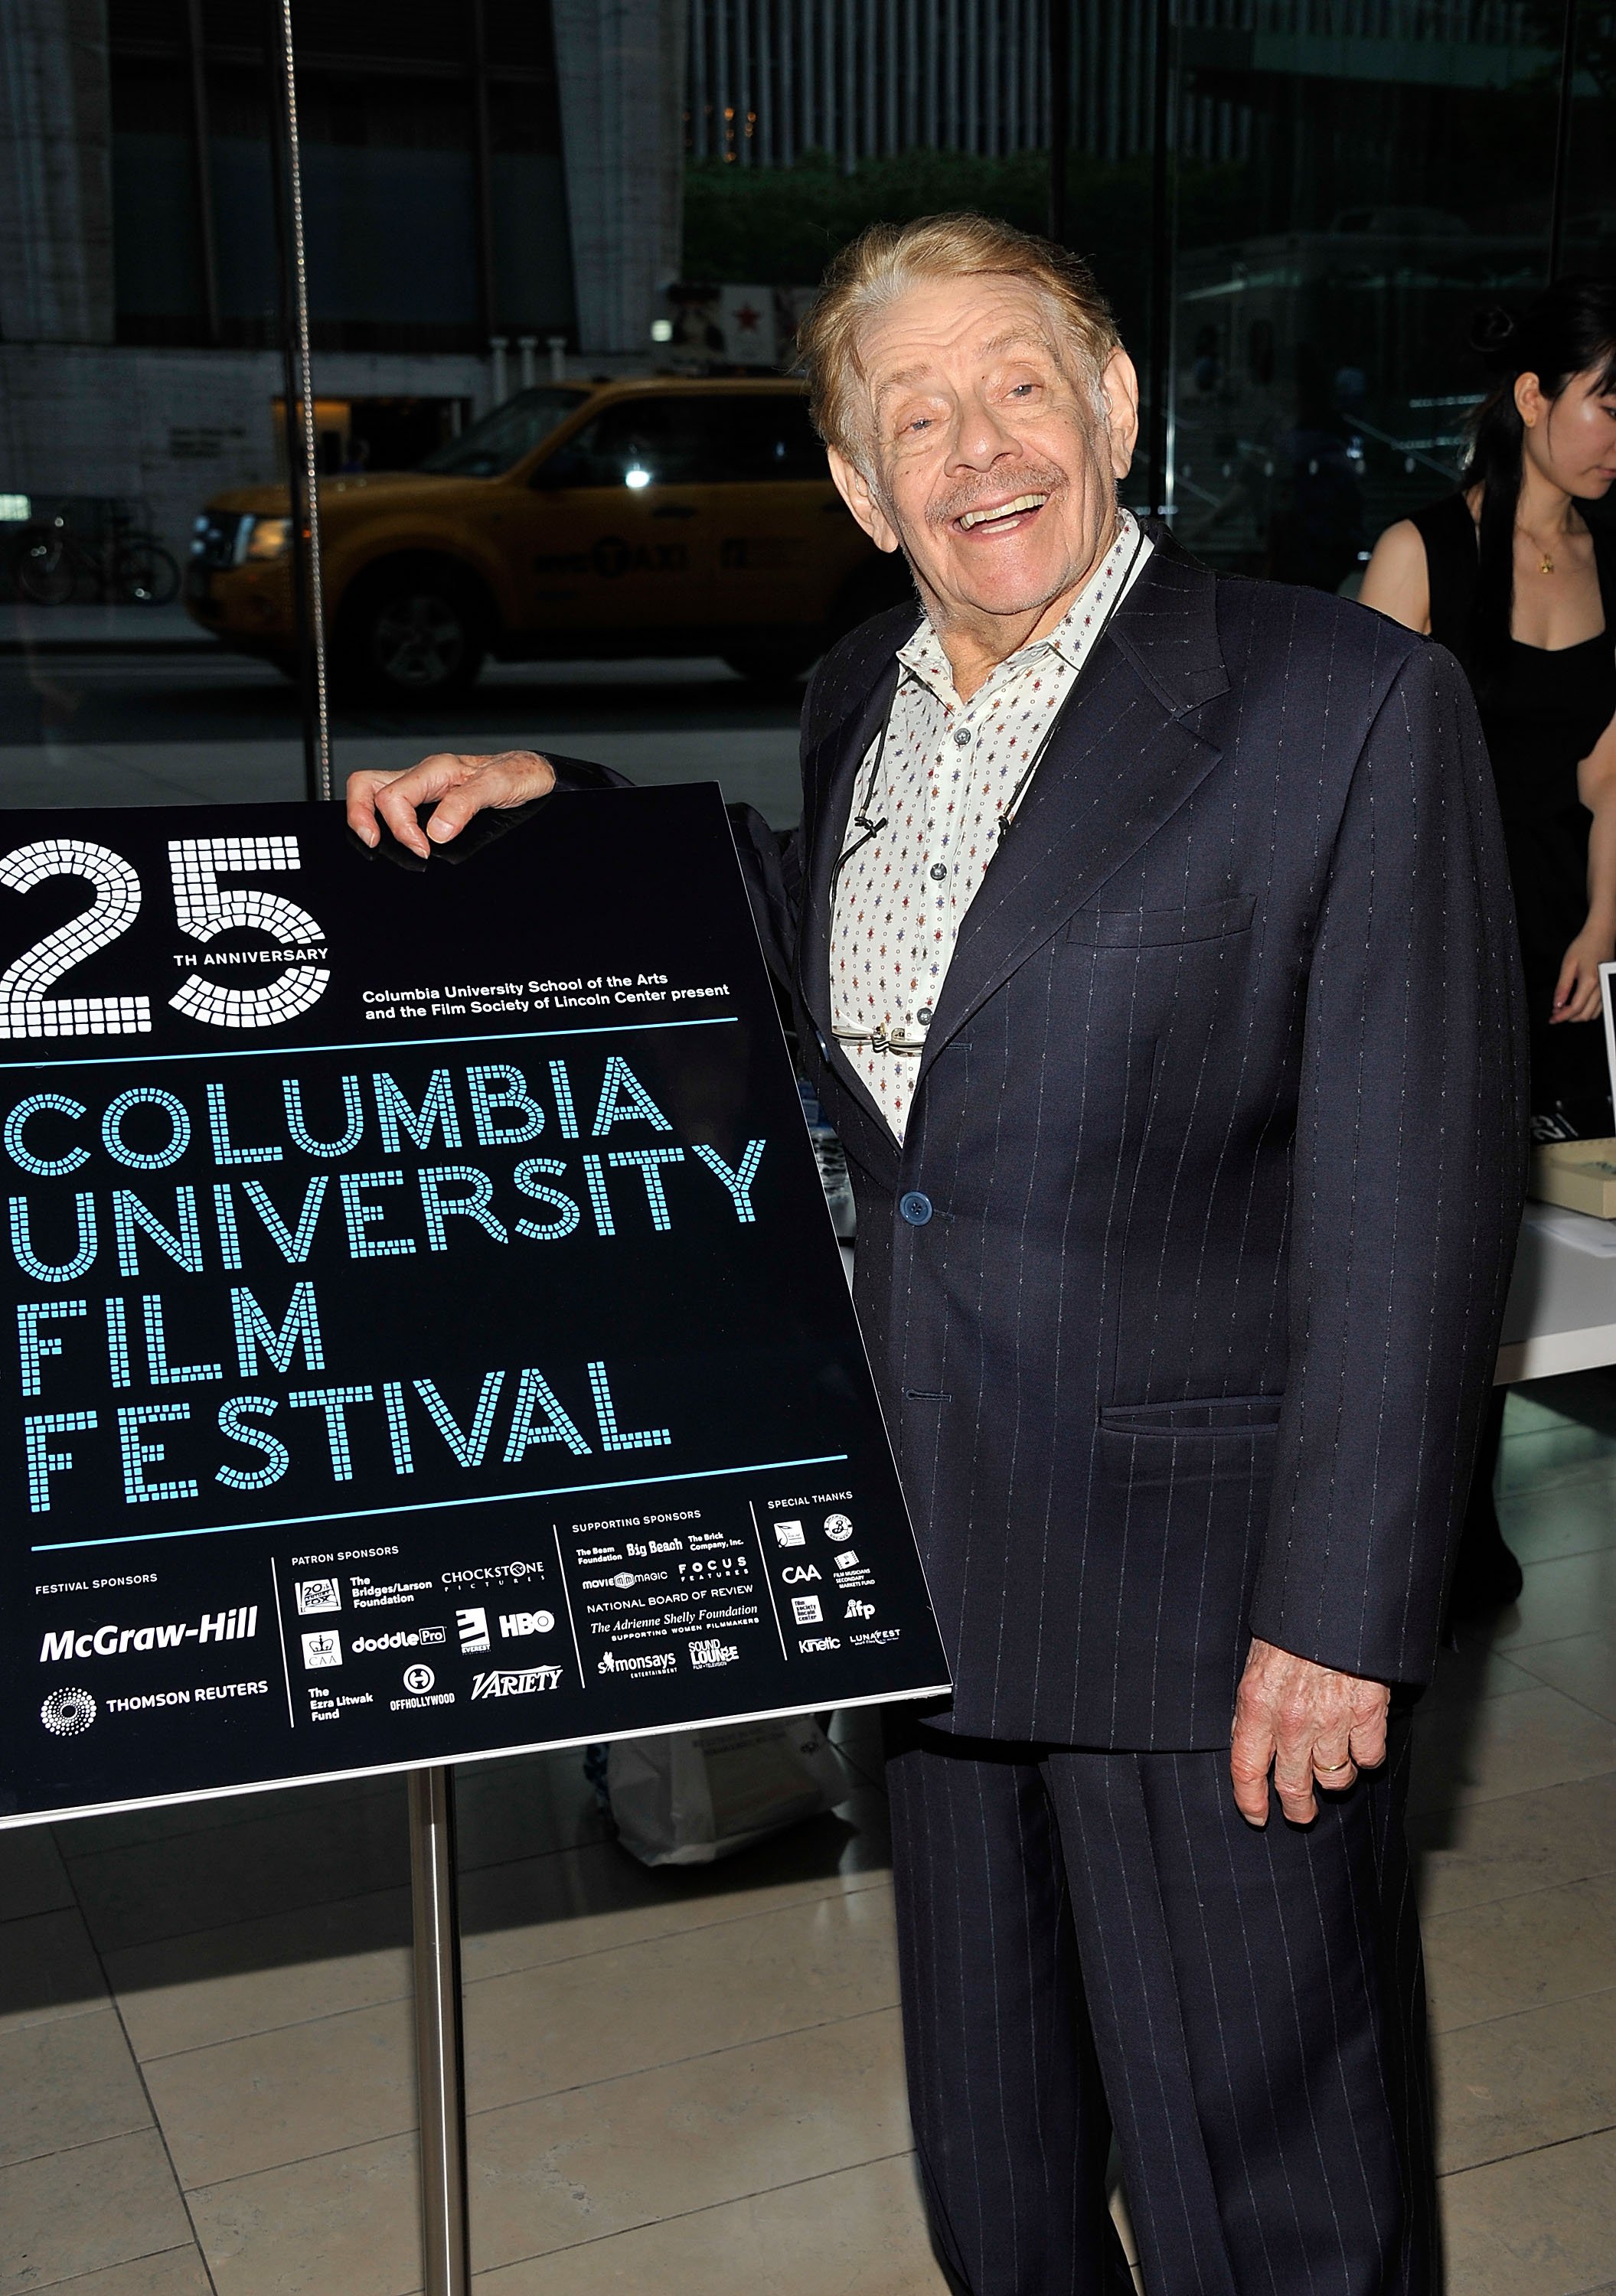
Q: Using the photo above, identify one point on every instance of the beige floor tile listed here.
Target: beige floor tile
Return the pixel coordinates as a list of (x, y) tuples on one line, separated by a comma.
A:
[(345, 2224), (1473, 1672), (186, 1993), (69, 2082), (304, 1853), (577, 1901), (78, 2211), (243, 2106), (1583, 1665), (175, 1821), (1569, 1594), (1573, 1517), (599, 2160), (1498, 1746), (176, 2272), (48, 1969), (33, 1879), (1521, 1953), (1539, 2224), (857, 2233), (523, 1804), (679, 1997), (1519, 2082), (1479, 1851)]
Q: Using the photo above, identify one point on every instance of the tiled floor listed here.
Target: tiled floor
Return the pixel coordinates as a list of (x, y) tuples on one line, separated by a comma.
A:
[(690, 2084)]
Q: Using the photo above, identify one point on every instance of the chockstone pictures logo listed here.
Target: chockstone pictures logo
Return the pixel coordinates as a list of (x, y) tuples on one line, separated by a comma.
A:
[(493, 1574), (66, 1712)]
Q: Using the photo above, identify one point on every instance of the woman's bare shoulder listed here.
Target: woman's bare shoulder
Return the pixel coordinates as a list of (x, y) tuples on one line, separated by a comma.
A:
[(1397, 580)]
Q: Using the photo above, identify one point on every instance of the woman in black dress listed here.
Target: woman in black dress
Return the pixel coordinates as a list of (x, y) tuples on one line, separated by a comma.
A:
[(1509, 575)]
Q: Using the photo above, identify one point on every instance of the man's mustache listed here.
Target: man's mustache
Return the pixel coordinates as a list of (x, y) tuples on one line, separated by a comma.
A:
[(1035, 479)]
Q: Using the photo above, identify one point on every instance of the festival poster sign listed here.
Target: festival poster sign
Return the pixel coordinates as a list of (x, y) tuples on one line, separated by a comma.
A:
[(427, 1336)]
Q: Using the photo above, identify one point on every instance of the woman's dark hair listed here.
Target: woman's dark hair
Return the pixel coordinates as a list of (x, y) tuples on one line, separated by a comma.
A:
[(1569, 330)]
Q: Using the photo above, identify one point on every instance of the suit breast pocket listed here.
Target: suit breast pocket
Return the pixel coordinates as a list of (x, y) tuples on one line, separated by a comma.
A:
[(1140, 929)]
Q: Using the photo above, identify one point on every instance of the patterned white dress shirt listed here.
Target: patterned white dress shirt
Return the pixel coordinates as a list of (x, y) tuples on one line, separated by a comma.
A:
[(949, 769)]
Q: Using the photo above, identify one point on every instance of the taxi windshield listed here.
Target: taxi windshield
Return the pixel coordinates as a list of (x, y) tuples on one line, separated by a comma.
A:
[(502, 438)]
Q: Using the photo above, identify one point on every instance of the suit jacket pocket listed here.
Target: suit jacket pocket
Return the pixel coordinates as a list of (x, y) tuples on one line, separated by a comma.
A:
[(1161, 928), (1210, 1439)]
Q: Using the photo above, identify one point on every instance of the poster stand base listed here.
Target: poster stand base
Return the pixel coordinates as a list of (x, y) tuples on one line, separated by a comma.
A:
[(439, 2049)]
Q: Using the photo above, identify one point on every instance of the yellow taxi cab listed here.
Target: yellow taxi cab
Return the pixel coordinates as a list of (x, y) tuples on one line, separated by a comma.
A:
[(653, 517)]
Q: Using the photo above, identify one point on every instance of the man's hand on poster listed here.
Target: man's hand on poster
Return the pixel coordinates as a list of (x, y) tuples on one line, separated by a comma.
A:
[(456, 788), (1307, 1723), (1576, 995)]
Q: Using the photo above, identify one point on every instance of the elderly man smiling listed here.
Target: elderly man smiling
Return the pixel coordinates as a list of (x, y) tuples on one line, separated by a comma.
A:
[(1150, 942)]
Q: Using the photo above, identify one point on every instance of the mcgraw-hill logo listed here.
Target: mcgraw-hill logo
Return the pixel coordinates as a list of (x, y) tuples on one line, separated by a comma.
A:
[(114, 1642), (516, 1681)]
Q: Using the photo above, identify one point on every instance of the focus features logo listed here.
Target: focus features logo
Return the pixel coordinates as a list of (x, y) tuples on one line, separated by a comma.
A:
[(418, 1678), (493, 1574), (114, 1642), (516, 1625), (516, 1681), (474, 1629), (66, 1712)]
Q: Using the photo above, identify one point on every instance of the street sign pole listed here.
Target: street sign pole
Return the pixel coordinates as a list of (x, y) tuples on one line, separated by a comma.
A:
[(439, 2049)]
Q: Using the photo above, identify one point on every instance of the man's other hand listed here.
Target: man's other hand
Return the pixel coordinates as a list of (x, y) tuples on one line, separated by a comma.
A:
[(454, 787), (1307, 1723)]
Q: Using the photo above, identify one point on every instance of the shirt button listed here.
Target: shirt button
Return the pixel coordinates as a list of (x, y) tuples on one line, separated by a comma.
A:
[(916, 1208), (924, 1016), (938, 872), (962, 737)]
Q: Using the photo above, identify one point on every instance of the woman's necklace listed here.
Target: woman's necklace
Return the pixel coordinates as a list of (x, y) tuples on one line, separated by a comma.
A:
[(1546, 556)]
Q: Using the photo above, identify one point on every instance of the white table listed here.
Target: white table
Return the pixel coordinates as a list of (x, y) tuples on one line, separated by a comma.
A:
[(1560, 1313)]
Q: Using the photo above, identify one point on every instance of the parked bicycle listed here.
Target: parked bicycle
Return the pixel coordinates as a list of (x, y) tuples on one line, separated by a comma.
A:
[(52, 566)]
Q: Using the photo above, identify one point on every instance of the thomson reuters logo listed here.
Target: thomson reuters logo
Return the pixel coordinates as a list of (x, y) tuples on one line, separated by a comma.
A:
[(66, 1712)]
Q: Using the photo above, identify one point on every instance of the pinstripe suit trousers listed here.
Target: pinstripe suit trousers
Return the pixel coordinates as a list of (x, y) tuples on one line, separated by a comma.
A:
[(1092, 1942)]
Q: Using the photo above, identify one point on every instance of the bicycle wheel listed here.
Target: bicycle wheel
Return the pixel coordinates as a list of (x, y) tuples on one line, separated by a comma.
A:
[(44, 571), (143, 574)]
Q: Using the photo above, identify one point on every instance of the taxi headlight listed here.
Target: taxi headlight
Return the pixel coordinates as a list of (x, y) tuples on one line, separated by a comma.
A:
[(266, 538)]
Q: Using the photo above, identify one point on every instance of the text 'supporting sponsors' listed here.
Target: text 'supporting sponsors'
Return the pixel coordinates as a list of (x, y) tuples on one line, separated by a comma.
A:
[(426, 1331)]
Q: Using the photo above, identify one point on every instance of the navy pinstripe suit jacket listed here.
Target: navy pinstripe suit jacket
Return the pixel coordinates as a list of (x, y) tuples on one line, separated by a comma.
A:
[(1222, 1120)]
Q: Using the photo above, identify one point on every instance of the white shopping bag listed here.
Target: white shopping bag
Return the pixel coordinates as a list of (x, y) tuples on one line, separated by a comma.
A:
[(695, 1795)]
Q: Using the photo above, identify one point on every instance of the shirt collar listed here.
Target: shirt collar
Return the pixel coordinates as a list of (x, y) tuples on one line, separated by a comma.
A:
[(923, 654)]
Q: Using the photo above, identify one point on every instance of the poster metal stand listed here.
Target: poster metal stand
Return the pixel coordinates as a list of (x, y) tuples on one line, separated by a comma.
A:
[(439, 2048)]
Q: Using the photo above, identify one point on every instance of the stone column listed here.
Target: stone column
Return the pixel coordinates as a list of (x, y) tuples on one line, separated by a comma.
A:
[(55, 173), (621, 68)]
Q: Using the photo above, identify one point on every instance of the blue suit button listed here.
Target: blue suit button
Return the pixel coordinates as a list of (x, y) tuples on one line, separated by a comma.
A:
[(916, 1208)]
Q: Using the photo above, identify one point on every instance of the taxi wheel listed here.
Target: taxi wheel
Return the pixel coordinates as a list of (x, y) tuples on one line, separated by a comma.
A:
[(414, 635)]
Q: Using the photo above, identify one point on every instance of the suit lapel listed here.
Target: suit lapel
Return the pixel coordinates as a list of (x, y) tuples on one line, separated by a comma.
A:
[(1120, 764)]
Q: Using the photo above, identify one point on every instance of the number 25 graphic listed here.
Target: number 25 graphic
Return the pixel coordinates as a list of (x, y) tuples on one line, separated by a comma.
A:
[(204, 910)]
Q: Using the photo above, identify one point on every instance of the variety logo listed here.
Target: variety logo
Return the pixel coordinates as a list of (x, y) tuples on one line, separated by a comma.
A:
[(514, 1625), (419, 1679), (859, 1609), (821, 1643), (837, 1528), (789, 1534), (317, 1594), (800, 1574), (66, 1712), (637, 1663), (807, 1610), (324, 1650), (473, 1626), (404, 1638), (516, 1681), (112, 1642), (713, 1653)]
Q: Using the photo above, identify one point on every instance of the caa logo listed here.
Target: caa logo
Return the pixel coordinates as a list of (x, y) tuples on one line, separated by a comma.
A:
[(798, 1574), (66, 1712)]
